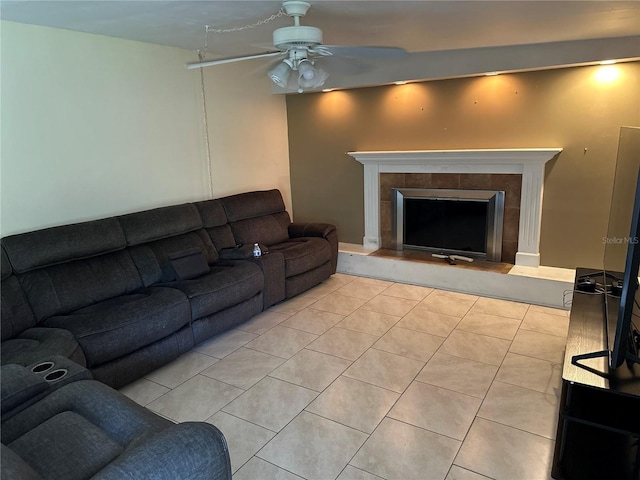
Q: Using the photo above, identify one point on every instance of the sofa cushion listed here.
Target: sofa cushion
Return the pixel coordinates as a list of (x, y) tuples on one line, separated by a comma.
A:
[(15, 467), (268, 229), (303, 254), (16, 315), (214, 220), (153, 259), (164, 222), (51, 246), (188, 264), (37, 344), (222, 237), (212, 213), (67, 287), (227, 284), (66, 446), (252, 204), (224, 320), (124, 370), (5, 265), (303, 282), (120, 325)]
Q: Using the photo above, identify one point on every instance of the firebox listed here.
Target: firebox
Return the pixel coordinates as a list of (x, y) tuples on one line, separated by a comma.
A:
[(449, 221)]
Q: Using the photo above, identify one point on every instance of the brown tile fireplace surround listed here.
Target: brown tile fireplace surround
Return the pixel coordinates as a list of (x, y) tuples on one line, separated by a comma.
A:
[(511, 184)]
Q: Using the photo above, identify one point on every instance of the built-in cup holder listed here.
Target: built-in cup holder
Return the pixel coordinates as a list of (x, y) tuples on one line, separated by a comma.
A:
[(56, 375), (42, 367)]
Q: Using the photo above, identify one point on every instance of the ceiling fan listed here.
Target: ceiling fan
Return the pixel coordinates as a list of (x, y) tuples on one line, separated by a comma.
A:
[(302, 45)]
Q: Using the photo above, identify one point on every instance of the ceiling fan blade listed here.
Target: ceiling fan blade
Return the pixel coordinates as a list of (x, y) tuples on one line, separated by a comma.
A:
[(263, 46), (232, 59), (343, 65), (372, 52)]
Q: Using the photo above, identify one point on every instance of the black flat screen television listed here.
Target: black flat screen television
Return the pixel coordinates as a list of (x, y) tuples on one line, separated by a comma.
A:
[(622, 252)]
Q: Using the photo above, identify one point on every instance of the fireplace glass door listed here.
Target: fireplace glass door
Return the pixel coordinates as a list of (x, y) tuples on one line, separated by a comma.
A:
[(446, 225), (449, 221)]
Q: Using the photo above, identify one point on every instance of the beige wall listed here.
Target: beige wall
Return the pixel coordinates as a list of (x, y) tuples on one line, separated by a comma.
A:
[(579, 109), (247, 130), (94, 126)]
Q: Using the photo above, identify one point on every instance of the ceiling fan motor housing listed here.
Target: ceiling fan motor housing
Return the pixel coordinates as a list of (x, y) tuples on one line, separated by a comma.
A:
[(297, 36)]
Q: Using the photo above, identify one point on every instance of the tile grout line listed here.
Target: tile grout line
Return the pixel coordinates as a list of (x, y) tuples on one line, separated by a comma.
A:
[(475, 417), (328, 386), (397, 400)]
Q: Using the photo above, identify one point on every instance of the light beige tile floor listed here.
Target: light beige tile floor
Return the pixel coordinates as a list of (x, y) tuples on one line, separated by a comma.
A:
[(362, 379)]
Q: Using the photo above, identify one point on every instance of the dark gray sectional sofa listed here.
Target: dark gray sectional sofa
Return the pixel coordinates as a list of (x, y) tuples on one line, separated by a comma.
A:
[(127, 294), (85, 429), (124, 295)]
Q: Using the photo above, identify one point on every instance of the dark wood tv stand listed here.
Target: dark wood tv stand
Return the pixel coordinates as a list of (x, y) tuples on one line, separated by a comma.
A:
[(599, 418)]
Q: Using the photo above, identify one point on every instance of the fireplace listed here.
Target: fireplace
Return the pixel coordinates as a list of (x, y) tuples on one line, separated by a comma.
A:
[(449, 221), (527, 163)]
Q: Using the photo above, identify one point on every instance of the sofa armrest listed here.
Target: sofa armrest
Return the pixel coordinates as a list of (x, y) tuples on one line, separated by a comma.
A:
[(310, 230), (241, 252), (323, 230), (272, 266), (190, 450), (19, 387)]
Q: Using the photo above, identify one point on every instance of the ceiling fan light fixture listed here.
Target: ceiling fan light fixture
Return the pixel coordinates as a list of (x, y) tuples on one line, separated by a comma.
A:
[(301, 44), (280, 73), (310, 76), (307, 70)]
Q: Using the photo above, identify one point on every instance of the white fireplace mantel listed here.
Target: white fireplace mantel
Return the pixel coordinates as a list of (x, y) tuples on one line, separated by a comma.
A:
[(529, 162)]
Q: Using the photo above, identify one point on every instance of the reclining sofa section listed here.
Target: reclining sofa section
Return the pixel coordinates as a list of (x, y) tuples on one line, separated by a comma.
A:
[(85, 429), (125, 295)]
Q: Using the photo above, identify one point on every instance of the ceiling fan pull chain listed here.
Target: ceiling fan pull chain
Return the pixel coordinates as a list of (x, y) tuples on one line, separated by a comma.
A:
[(203, 53), (247, 27)]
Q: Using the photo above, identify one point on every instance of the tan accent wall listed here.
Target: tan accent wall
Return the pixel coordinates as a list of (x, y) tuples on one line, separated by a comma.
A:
[(580, 109)]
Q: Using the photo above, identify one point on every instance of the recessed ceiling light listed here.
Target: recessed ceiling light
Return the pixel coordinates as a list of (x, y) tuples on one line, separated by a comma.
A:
[(491, 74), (607, 74), (607, 62), (327, 90), (401, 82)]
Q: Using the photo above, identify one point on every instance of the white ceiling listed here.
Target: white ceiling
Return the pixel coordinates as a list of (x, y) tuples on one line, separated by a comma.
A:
[(414, 25), (417, 26)]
